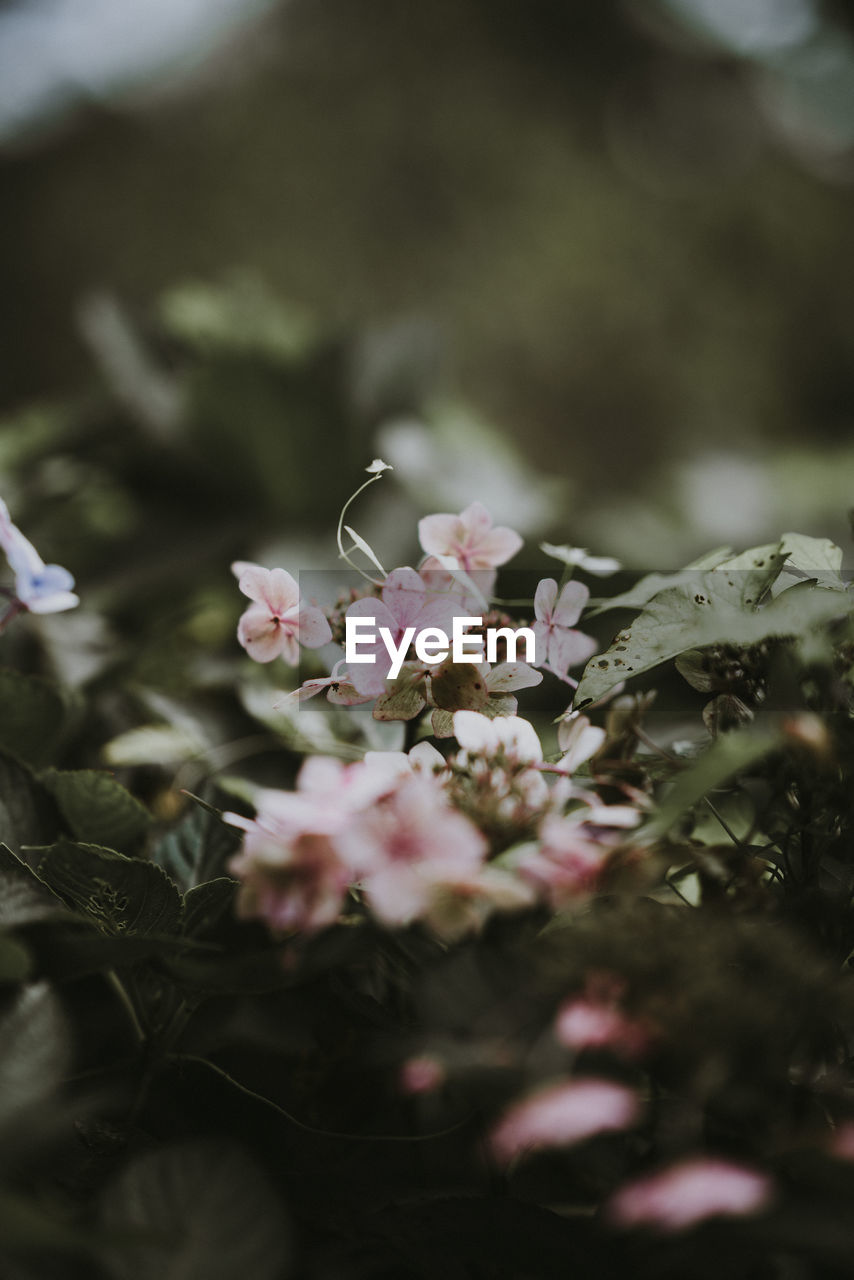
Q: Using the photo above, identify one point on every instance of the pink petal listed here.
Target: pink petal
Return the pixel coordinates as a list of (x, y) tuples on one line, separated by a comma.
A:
[(572, 600), (476, 522), (438, 534), (261, 636), (404, 595), (496, 547), (544, 600), (563, 1114), (569, 649), (313, 628), (690, 1192)]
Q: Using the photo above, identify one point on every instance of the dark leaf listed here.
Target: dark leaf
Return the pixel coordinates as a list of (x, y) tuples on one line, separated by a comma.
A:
[(122, 895), (98, 809), (197, 849), (197, 1210), (32, 712)]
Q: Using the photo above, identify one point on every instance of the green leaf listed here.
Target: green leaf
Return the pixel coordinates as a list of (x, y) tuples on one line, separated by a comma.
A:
[(24, 807), (32, 713), (653, 583), (814, 555), (122, 895), (34, 1050), (197, 849), (727, 756), (715, 608), (202, 1209), (98, 809), (206, 904), (15, 959), (24, 898)]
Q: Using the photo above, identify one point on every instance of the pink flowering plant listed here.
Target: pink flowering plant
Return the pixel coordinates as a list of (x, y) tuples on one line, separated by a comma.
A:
[(437, 917)]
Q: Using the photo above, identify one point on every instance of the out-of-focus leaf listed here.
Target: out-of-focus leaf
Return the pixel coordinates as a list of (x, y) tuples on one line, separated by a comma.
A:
[(197, 849), (23, 819), (34, 1049), (32, 713), (98, 809), (24, 898), (122, 895), (162, 744), (206, 904), (729, 754), (15, 960), (198, 1210)]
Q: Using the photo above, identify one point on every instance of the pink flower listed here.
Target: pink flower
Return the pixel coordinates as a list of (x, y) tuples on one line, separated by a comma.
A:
[(277, 622), (469, 538), (568, 862), (510, 736), (413, 848), (406, 602), (558, 646), (562, 1114), (594, 1021), (422, 1074), (294, 873), (689, 1192)]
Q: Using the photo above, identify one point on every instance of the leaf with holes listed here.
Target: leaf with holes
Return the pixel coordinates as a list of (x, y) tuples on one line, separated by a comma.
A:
[(122, 895)]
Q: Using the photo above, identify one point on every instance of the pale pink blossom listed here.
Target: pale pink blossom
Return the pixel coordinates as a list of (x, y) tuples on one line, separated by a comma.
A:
[(413, 848), (278, 621), (567, 863), (405, 602), (594, 1020), (470, 539), (422, 1074), (559, 647), (689, 1192), (293, 870), (39, 587), (562, 1114)]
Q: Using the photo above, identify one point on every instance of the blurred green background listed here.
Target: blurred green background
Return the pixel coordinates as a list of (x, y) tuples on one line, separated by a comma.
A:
[(590, 263)]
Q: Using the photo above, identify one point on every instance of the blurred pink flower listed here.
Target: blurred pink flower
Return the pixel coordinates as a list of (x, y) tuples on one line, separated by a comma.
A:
[(277, 622), (594, 1021), (559, 647), (567, 863), (422, 1074), (562, 1114), (511, 736), (413, 848), (293, 871), (470, 539), (689, 1192)]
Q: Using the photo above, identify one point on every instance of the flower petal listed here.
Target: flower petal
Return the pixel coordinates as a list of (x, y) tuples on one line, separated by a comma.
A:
[(313, 630), (439, 533), (261, 636), (544, 599), (571, 601)]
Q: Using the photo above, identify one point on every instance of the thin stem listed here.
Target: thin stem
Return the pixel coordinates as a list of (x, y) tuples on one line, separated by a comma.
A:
[(345, 555)]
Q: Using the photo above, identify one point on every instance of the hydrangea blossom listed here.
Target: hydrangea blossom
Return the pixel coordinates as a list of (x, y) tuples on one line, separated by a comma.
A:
[(405, 602), (687, 1193), (470, 539), (278, 621), (39, 587), (559, 647), (562, 1114)]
